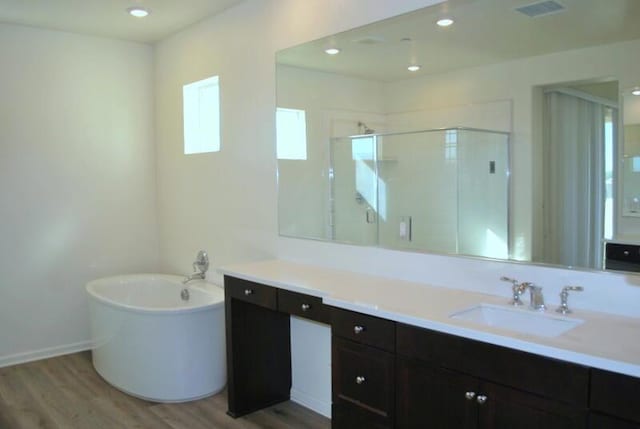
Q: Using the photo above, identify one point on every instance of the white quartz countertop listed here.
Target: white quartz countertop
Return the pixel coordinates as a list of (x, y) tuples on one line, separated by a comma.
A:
[(604, 341)]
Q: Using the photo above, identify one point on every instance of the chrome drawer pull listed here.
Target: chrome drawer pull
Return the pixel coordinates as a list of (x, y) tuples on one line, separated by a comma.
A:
[(470, 395), (481, 399), (358, 329), (305, 307), (360, 379), (248, 292)]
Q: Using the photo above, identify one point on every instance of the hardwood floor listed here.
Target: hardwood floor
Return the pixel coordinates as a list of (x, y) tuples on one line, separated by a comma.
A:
[(66, 392)]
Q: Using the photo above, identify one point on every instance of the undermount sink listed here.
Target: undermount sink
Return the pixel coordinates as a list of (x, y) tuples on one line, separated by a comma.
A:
[(518, 320)]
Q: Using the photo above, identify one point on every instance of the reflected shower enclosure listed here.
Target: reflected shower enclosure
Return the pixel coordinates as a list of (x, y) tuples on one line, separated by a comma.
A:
[(444, 191)]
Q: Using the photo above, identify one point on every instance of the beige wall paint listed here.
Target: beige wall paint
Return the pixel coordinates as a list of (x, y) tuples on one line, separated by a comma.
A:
[(77, 180)]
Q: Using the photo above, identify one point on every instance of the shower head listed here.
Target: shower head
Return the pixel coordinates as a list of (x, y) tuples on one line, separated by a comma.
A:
[(364, 129)]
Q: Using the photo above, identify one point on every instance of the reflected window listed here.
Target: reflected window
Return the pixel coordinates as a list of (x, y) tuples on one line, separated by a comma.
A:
[(291, 134), (609, 138), (201, 112), (362, 148), (451, 145)]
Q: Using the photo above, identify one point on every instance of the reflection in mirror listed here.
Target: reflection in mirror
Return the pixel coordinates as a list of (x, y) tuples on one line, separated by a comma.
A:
[(631, 157), (579, 130), (378, 136), (384, 185)]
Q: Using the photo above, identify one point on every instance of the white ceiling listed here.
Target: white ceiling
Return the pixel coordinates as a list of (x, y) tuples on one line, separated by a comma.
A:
[(109, 18), (485, 32)]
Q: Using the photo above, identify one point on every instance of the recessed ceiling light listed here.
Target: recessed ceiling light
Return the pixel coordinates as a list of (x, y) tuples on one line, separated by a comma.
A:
[(414, 68), (332, 51), (138, 12), (444, 22), (635, 91)]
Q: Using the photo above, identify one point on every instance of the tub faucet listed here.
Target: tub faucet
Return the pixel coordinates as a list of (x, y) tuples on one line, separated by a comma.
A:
[(194, 276), (200, 267)]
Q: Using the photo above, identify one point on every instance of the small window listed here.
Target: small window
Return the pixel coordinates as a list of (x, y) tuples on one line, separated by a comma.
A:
[(451, 145), (291, 134), (201, 104)]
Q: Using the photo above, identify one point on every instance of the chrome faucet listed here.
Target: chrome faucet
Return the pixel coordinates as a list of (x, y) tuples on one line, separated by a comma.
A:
[(537, 299), (517, 289), (564, 296), (200, 267)]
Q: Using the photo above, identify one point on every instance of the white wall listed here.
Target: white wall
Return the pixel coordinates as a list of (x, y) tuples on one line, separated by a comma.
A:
[(226, 202), (77, 181)]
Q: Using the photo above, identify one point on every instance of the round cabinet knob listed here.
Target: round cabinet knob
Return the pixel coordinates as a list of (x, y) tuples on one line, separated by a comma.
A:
[(470, 395), (360, 379), (481, 399), (248, 292), (358, 329), (305, 307)]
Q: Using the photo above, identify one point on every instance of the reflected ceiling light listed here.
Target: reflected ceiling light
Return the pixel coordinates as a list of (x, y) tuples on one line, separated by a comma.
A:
[(636, 91), (138, 12), (444, 22), (332, 51), (414, 68)]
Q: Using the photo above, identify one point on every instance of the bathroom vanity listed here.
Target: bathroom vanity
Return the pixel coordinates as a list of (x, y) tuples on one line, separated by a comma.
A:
[(400, 361)]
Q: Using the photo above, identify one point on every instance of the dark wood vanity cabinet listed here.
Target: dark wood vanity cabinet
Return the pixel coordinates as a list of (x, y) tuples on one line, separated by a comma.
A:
[(615, 401), (391, 375), (451, 382), (258, 336), (363, 371), (258, 347)]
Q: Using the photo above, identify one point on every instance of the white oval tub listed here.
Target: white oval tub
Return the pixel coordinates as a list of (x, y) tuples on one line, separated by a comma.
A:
[(150, 343)]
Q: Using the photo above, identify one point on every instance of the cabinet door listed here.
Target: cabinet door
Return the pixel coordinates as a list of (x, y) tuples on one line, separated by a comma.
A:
[(434, 398), (615, 395), (509, 408)]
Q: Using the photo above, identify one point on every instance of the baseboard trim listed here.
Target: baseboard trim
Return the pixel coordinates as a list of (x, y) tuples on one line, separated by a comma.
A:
[(50, 352), (311, 402)]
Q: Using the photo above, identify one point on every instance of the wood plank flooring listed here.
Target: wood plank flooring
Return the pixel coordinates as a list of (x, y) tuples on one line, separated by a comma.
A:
[(66, 392)]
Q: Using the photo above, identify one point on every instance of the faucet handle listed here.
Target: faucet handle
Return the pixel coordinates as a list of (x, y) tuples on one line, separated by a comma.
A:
[(509, 279), (564, 297), (517, 289), (201, 263)]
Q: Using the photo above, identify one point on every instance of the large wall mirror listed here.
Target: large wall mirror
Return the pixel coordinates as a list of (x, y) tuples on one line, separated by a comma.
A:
[(511, 133)]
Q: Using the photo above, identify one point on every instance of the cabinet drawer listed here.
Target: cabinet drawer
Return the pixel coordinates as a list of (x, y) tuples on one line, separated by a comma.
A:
[(298, 304), (600, 421), (345, 415), (363, 376), (254, 293), (364, 329), (615, 394), (547, 377)]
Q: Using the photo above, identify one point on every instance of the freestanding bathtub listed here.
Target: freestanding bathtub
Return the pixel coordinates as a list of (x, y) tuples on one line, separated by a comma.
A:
[(150, 343)]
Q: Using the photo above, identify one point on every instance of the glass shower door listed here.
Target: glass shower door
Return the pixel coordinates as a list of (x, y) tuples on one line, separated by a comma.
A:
[(483, 193), (354, 192), (417, 189)]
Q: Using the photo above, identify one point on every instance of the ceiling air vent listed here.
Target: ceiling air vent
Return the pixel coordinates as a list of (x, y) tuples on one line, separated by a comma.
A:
[(369, 40), (541, 8)]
